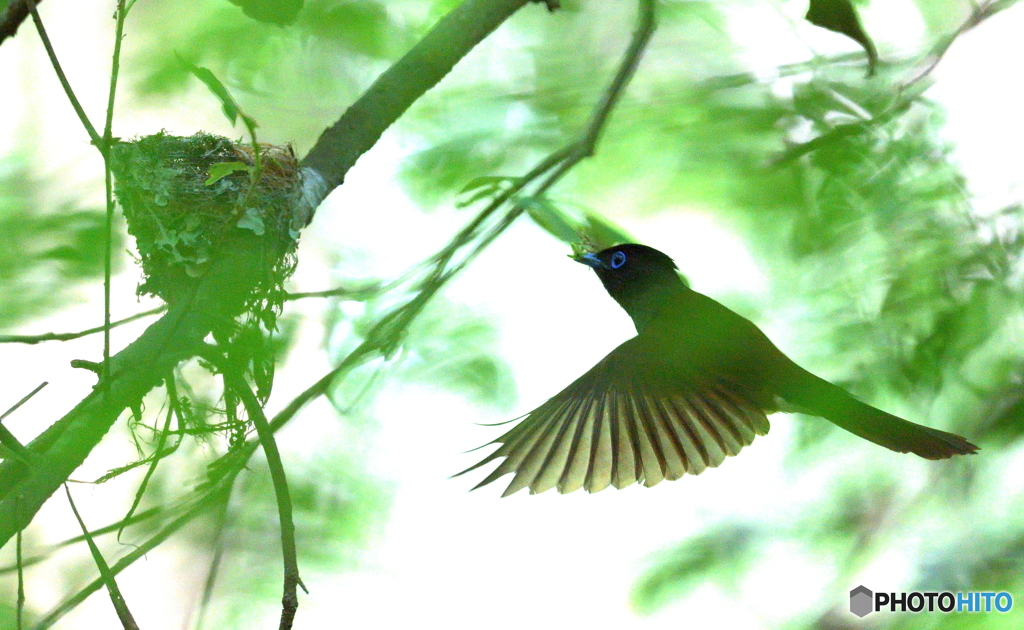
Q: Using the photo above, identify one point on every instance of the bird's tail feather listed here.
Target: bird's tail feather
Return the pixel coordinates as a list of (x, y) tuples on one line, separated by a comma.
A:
[(818, 397)]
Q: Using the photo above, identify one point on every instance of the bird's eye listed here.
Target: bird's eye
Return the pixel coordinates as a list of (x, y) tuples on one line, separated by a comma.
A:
[(618, 259)]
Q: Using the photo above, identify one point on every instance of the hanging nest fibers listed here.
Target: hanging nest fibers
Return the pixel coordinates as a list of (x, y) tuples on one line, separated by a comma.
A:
[(185, 198)]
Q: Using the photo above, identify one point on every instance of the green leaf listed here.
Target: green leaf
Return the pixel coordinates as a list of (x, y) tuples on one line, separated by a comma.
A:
[(231, 109), (431, 174), (279, 12), (552, 219), (222, 169), (253, 221), (361, 26), (840, 16), (487, 181), (484, 187)]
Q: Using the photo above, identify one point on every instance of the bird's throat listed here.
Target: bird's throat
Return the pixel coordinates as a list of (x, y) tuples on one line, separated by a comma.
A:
[(644, 306)]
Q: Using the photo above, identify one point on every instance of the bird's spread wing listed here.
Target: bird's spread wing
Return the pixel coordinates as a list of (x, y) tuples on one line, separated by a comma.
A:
[(629, 419)]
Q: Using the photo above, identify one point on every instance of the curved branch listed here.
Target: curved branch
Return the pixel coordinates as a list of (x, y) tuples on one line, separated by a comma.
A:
[(289, 599), (178, 335), (235, 381), (382, 336), (134, 371)]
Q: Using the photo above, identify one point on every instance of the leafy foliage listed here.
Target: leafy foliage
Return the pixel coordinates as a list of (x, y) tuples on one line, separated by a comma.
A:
[(453, 348), (841, 17), (717, 555), (279, 12), (45, 252), (913, 296)]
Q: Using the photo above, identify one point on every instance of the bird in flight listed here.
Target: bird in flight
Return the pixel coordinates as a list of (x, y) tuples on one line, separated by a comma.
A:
[(694, 386)]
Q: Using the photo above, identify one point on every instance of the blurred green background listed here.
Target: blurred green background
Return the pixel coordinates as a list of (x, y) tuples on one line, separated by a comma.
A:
[(872, 227)]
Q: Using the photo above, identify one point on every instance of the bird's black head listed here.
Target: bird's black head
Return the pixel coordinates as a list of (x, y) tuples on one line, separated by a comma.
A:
[(637, 276)]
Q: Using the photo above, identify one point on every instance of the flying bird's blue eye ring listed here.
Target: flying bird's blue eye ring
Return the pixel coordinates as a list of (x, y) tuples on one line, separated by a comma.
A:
[(618, 259)]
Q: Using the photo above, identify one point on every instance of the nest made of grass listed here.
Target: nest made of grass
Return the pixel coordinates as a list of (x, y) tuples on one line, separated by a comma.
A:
[(180, 218)]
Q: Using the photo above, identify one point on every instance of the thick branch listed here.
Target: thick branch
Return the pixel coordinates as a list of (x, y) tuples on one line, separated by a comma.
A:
[(393, 92), (178, 334), (12, 18), (135, 370)]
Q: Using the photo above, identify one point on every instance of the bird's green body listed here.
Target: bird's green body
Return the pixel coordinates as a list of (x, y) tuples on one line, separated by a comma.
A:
[(693, 387)]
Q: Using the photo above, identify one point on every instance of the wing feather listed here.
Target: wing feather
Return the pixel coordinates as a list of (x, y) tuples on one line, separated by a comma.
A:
[(672, 447), (728, 436), (577, 463), (542, 450), (601, 466), (555, 461), (517, 444), (629, 466), (627, 420), (753, 417), (650, 445), (689, 420)]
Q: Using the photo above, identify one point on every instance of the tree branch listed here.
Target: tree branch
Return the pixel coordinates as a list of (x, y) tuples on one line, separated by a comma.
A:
[(359, 128), (95, 137), (179, 334), (15, 14), (116, 598), (289, 599), (133, 372), (390, 327), (7, 438), (33, 339)]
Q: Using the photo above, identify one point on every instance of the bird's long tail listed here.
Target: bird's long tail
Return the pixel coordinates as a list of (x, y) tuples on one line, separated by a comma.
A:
[(818, 397)]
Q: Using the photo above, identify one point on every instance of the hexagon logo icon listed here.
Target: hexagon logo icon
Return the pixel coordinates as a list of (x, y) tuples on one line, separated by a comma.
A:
[(861, 599)]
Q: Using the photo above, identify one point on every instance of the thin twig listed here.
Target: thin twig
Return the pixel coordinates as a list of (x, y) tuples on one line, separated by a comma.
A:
[(21, 580), (125, 615), (95, 137), (644, 29), (905, 94), (214, 571), (108, 185), (576, 152), (358, 294), (978, 15), (391, 325), (172, 394), (24, 400), (34, 339), (106, 529), (235, 382), (7, 438), (214, 496)]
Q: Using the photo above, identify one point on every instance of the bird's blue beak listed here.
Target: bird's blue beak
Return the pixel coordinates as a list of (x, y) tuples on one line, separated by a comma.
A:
[(591, 260)]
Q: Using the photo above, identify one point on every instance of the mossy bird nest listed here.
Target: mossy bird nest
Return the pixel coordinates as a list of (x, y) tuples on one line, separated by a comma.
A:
[(185, 198)]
